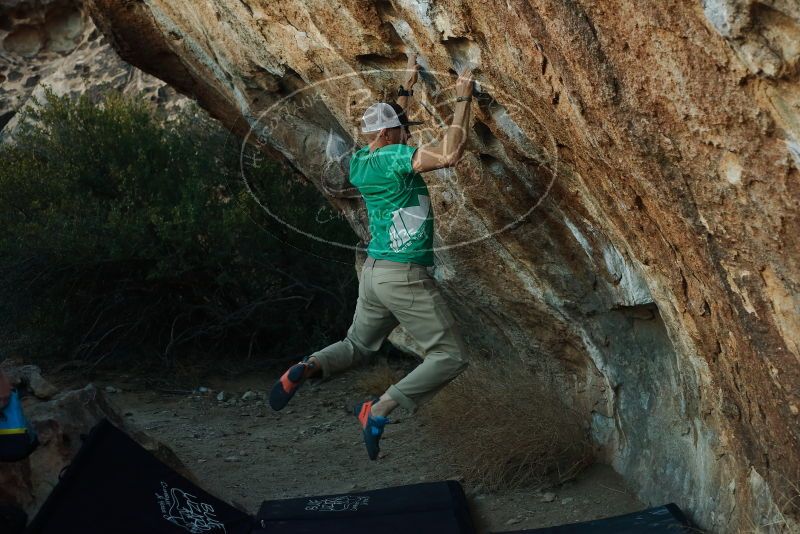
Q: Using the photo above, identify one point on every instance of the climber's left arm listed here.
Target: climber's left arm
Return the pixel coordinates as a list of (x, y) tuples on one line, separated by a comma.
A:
[(412, 70)]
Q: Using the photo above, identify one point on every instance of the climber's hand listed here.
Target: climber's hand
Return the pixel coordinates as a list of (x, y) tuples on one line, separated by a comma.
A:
[(412, 68)]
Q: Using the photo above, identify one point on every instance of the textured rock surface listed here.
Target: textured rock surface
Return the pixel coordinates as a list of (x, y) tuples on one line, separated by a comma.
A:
[(55, 43), (30, 378), (656, 278)]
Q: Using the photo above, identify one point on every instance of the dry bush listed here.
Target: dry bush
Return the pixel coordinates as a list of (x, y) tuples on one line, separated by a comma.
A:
[(377, 378), (140, 240), (504, 430)]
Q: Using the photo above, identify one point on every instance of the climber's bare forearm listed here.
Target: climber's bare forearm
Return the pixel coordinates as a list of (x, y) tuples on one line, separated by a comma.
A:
[(412, 70), (456, 135), (449, 151)]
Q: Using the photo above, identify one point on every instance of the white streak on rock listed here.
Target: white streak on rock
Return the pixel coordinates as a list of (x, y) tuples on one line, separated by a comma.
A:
[(632, 287), (579, 237)]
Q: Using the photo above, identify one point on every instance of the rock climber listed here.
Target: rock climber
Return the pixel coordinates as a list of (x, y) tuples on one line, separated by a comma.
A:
[(395, 286)]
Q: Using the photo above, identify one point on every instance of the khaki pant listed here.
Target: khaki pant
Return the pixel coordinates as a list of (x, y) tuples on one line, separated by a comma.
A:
[(389, 294)]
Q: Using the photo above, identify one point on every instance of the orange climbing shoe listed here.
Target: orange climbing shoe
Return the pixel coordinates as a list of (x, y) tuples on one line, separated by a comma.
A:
[(286, 386)]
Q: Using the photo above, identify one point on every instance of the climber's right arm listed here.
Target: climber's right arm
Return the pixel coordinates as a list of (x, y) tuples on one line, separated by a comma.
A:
[(449, 151), (412, 70)]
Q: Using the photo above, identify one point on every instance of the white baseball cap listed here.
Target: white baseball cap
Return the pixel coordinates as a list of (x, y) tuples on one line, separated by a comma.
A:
[(382, 115)]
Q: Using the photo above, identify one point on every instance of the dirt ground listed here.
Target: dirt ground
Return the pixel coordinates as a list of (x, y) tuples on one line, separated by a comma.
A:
[(243, 452)]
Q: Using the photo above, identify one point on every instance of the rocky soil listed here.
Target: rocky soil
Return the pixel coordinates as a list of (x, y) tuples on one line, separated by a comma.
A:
[(242, 451)]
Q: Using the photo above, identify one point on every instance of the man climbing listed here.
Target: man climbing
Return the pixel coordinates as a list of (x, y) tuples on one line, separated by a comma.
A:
[(395, 287)]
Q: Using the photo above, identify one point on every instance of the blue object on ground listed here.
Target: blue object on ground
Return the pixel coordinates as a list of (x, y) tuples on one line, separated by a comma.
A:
[(17, 439)]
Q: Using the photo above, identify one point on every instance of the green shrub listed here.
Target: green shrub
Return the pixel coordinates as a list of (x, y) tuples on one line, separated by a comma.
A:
[(125, 233)]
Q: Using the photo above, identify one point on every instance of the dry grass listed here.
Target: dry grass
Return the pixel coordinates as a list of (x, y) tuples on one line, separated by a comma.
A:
[(505, 431), (783, 515), (377, 378)]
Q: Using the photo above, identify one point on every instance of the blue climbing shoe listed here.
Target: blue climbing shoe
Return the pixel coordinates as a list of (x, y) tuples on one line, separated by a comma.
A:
[(371, 426)]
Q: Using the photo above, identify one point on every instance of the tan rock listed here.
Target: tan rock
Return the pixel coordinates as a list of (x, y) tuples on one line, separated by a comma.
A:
[(54, 43)]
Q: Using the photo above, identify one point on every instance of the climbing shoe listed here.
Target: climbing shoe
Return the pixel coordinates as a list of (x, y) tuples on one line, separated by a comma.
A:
[(286, 386), (371, 426)]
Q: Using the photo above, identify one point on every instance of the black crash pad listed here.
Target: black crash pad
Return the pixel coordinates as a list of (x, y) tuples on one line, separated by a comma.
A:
[(115, 486), (667, 519), (428, 508), (12, 520)]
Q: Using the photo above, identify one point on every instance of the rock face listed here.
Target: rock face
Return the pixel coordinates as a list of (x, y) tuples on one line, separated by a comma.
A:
[(55, 43), (625, 218)]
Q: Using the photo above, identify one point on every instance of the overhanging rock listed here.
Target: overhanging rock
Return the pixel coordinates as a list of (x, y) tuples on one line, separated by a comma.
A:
[(625, 216)]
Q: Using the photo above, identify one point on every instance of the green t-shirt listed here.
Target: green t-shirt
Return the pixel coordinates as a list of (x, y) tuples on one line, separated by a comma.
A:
[(398, 204)]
